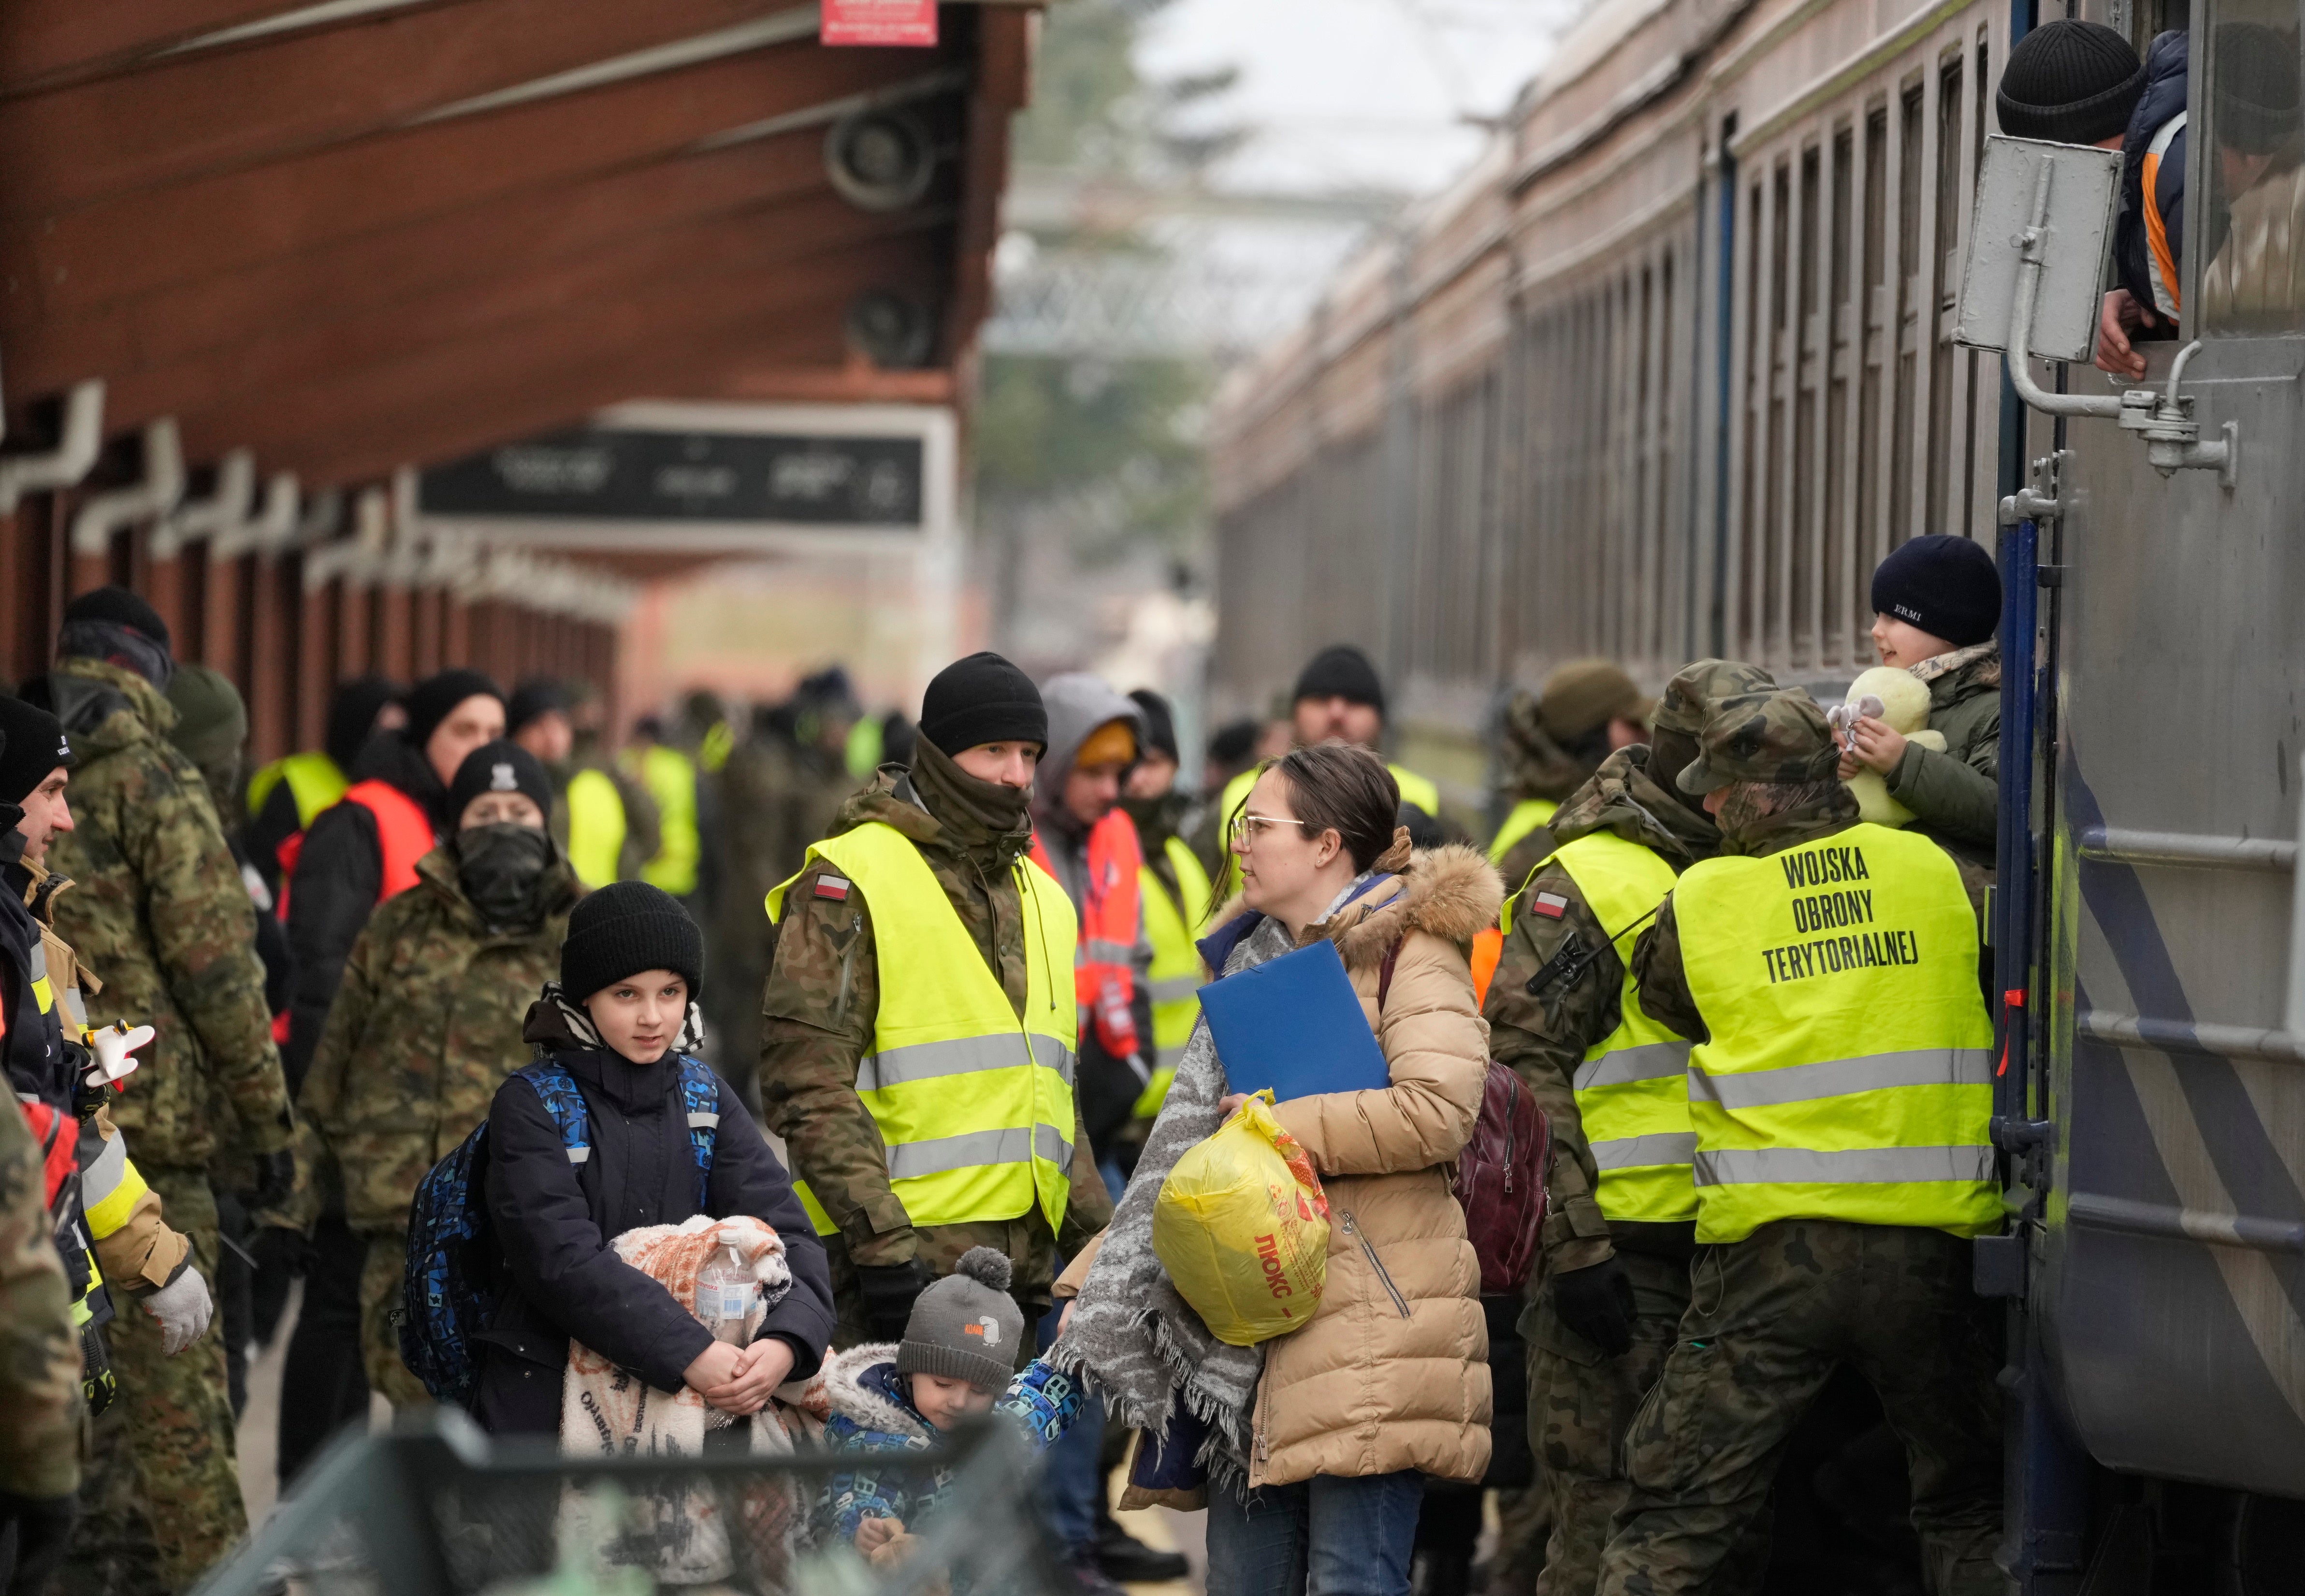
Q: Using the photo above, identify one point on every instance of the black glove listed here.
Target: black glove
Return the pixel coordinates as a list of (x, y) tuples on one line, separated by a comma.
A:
[(889, 1291), (43, 1526), (276, 1178), (1598, 1302)]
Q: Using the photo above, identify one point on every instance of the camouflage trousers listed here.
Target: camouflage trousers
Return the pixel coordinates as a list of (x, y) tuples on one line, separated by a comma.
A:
[(1770, 1318), (161, 1503), (1581, 1404), (1026, 1241), (381, 1276)]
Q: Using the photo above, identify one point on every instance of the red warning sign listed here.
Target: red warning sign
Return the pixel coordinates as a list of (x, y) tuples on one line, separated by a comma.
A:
[(878, 22)]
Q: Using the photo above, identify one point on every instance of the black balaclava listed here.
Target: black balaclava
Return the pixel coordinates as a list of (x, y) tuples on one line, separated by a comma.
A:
[(506, 872)]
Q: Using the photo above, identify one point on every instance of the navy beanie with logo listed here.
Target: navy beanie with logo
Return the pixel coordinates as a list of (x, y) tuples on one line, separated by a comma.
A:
[(35, 747), (1946, 584), (500, 766)]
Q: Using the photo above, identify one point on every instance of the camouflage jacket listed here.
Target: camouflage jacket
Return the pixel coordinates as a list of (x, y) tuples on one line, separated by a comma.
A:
[(424, 1029), (162, 915), (41, 1411), (823, 996), (1544, 1038), (1757, 821)]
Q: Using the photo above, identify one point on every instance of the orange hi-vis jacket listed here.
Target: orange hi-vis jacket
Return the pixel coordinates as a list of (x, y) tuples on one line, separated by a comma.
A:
[(1104, 975)]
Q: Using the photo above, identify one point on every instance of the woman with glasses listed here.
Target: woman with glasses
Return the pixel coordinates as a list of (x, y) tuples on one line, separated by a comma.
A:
[(1315, 1446)]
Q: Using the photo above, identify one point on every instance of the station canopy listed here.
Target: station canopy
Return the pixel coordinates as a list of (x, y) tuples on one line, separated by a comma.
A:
[(353, 236)]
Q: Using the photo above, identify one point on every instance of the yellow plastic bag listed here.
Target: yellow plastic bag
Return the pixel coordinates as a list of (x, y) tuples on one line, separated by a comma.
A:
[(1242, 1228)]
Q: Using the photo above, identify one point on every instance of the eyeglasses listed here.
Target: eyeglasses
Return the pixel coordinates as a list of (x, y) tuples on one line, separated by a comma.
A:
[(1249, 827)]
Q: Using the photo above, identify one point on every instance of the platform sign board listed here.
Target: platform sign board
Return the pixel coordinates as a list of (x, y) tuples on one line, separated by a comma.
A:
[(712, 477), (877, 23)]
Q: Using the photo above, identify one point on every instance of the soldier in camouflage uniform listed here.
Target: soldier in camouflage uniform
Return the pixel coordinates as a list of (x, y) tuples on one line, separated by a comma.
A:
[(427, 1024), (818, 1012), (41, 1417), (1779, 1309), (781, 790), (1609, 1295), (161, 914), (1553, 741)]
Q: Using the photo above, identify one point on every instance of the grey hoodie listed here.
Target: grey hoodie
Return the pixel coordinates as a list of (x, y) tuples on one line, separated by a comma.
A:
[(1077, 703)]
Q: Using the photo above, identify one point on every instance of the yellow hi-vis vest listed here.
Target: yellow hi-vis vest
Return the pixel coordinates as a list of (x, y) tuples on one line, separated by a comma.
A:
[(1526, 816), (975, 1107), (596, 827), (1632, 1086), (670, 777), (313, 780), (1175, 976), (1849, 1076)]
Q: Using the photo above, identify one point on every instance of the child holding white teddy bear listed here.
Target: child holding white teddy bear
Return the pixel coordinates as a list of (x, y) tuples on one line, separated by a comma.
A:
[(1936, 603)]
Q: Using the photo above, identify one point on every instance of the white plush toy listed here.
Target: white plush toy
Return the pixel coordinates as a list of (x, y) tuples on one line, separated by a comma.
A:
[(1902, 700)]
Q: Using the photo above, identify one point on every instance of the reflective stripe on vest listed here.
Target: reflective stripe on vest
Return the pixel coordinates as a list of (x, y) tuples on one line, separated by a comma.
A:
[(670, 777), (1632, 1086), (975, 1107), (1526, 816), (596, 827), (1176, 976), (1104, 966), (1848, 1076), (403, 833), (314, 780)]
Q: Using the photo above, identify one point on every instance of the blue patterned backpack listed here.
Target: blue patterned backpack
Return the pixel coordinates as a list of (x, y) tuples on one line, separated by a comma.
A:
[(455, 1270)]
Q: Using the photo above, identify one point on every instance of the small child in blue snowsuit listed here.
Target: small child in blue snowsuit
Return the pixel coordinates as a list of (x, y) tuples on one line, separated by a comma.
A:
[(958, 1357)]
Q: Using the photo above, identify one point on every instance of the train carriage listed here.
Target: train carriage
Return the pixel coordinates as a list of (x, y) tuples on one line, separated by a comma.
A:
[(1666, 376)]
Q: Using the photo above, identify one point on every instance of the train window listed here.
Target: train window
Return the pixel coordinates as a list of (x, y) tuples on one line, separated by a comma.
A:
[(2251, 231)]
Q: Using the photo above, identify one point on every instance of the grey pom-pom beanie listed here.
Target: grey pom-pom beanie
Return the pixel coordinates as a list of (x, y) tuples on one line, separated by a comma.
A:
[(966, 1325)]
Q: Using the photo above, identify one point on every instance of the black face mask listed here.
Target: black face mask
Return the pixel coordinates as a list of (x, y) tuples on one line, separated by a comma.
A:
[(503, 868)]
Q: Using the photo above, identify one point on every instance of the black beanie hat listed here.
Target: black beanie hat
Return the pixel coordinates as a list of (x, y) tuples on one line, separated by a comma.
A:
[(121, 609), (983, 699), (1944, 584), (2256, 96), (535, 699), (1342, 671), (625, 928), (352, 716), (434, 698), (2070, 82), (499, 767), (1160, 722), (36, 745)]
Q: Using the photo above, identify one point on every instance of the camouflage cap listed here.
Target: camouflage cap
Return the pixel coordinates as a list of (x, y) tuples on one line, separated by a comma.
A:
[(1776, 737), (1696, 688), (1584, 693)]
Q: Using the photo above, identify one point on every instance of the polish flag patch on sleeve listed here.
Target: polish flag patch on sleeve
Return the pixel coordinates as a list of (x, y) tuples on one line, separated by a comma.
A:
[(1550, 905), (833, 887)]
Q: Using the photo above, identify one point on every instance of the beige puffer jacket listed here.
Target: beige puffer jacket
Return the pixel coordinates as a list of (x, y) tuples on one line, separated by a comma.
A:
[(1393, 1373)]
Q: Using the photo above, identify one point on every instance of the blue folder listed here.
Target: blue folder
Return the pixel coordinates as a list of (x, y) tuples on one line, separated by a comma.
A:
[(1293, 1024)]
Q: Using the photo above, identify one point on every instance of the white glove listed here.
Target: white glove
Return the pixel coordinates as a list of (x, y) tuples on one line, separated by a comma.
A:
[(183, 1308)]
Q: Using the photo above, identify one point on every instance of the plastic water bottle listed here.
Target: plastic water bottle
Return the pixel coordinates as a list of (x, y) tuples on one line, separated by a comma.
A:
[(727, 1297)]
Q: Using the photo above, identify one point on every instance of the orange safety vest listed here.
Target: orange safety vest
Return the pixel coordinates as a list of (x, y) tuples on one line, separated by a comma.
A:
[(1104, 970), (404, 834)]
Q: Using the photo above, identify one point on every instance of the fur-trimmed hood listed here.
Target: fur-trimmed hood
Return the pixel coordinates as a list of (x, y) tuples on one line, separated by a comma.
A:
[(1450, 891), (848, 1393)]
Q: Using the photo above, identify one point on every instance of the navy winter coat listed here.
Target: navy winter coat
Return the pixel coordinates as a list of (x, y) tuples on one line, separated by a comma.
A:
[(553, 1221)]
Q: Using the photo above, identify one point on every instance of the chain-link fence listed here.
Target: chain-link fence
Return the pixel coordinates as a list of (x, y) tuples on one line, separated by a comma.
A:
[(446, 1512)]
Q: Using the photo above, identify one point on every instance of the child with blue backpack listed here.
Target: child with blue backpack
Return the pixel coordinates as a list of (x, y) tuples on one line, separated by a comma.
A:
[(661, 1140), (879, 1402)]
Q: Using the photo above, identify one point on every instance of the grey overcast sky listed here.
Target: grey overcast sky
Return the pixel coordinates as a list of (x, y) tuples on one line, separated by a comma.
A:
[(1346, 93)]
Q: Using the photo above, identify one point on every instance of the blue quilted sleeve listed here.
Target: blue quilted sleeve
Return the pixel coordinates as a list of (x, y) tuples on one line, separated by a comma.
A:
[(1043, 1401)]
